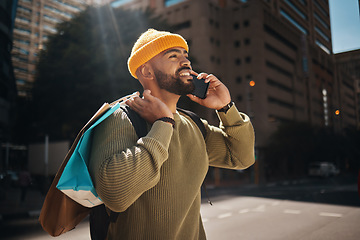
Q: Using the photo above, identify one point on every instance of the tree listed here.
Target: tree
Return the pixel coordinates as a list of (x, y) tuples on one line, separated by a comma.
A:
[(85, 65)]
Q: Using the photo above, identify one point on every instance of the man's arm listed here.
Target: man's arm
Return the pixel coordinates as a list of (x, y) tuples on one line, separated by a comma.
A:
[(231, 145), (123, 166)]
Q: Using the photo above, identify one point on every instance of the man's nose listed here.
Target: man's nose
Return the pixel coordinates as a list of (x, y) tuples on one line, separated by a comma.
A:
[(185, 61)]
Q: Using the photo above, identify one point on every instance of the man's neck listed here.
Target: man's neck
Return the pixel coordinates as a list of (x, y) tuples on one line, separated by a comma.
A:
[(170, 99)]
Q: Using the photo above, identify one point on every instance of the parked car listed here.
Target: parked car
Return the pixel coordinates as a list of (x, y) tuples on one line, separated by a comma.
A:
[(323, 169)]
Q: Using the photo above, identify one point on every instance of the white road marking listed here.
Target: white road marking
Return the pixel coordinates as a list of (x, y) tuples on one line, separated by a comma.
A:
[(244, 211), (291, 211), (225, 215), (326, 214), (260, 208)]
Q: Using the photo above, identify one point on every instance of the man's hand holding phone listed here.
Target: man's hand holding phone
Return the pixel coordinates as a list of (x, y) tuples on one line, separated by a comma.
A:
[(217, 95)]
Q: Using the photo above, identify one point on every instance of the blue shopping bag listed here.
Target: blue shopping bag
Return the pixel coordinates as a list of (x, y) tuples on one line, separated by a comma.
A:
[(75, 181)]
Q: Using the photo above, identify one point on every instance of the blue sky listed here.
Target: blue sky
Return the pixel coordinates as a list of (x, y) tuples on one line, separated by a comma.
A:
[(345, 25)]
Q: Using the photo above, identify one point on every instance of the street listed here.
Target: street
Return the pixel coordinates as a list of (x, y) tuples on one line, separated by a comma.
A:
[(310, 209), (260, 218)]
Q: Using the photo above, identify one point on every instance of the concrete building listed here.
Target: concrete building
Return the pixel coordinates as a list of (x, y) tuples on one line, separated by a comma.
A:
[(35, 21), (348, 66), (7, 79), (282, 48)]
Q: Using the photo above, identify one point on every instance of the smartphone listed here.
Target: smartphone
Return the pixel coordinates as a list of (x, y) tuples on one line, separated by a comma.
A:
[(201, 87)]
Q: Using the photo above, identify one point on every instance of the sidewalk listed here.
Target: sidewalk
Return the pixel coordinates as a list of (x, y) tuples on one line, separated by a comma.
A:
[(11, 206)]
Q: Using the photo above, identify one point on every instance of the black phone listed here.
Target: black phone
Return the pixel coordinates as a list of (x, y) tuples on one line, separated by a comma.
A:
[(201, 87)]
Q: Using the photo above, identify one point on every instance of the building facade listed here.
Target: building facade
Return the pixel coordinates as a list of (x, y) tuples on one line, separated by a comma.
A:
[(348, 66), (35, 21), (7, 79), (274, 55)]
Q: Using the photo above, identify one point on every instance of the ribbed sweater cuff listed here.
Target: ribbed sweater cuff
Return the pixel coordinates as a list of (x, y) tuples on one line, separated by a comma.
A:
[(162, 132), (232, 117)]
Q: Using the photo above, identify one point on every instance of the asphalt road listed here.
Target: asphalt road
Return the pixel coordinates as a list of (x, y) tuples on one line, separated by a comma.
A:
[(307, 209)]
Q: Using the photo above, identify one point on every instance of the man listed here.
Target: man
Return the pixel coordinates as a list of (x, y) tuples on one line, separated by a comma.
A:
[(154, 182)]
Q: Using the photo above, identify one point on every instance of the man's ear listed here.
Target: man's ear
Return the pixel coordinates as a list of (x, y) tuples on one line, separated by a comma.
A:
[(145, 71)]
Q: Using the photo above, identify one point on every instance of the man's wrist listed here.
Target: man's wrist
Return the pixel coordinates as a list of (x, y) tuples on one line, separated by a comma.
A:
[(167, 120), (226, 107)]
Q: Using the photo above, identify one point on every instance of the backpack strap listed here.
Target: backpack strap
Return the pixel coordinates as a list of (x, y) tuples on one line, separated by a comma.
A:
[(137, 121), (196, 119)]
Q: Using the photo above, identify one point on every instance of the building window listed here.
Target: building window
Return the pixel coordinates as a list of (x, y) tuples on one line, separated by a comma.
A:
[(247, 41), (248, 59), (239, 98), (21, 41), (295, 23), (246, 23), (182, 25), (322, 22), (279, 37), (296, 9), (238, 79), (279, 69), (24, 9), (23, 20), (279, 53), (22, 31), (278, 85), (119, 3), (236, 26), (322, 34), (322, 46), (280, 103), (238, 61), (172, 2), (74, 8), (237, 44), (321, 9)]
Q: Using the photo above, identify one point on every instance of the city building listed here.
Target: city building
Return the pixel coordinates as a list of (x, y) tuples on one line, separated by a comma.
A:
[(274, 55), (7, 79), (348, 66), (35, 21)]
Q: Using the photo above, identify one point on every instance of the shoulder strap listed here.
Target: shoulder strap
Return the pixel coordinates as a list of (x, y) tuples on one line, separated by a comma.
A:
[(196, 119), (137, 121)]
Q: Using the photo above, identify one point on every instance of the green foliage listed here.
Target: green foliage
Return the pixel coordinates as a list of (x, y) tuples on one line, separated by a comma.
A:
[(85, 65)]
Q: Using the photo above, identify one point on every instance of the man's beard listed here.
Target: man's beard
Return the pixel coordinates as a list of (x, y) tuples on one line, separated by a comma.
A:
[(174, 84)]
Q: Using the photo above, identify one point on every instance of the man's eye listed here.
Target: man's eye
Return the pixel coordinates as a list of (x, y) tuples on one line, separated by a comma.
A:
[(172, 56)]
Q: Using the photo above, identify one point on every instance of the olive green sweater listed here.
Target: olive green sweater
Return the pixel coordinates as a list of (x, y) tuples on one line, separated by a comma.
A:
[(155, 181)]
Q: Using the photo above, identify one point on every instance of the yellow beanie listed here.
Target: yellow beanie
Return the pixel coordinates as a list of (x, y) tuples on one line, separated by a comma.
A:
[(150, 44)]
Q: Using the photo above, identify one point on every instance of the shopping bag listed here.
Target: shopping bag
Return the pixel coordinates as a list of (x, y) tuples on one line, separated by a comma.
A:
[(59, 213), (75, 181)]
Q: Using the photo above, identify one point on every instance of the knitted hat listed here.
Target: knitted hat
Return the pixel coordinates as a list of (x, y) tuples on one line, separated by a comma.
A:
[(150, 44)]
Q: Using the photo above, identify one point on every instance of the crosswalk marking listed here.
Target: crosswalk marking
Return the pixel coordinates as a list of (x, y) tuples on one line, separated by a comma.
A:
[(244, 211), (326, 214), (291, 211), (225, 215)]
